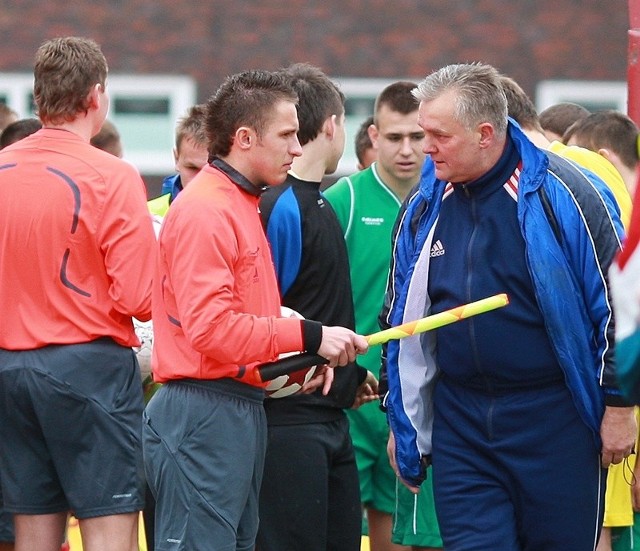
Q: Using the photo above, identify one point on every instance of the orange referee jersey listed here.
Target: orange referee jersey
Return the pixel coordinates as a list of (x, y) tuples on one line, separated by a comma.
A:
[(216, 304), (77, 248)]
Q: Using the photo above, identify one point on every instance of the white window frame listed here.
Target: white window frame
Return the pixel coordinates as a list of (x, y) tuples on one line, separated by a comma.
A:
[(584, 92), (180, 90), (17, 87)]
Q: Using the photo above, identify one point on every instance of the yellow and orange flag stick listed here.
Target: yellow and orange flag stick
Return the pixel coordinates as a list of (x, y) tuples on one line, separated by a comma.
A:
[(436, 321), (269, 371)]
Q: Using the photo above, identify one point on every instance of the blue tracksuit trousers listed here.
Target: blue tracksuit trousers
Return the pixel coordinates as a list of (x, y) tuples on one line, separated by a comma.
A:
[(515, 471)]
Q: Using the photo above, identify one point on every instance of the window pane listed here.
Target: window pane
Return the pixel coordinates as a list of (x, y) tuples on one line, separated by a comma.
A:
[(141, 106)]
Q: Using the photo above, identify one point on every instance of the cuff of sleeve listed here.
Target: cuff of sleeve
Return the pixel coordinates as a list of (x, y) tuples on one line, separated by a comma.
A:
[(616, 400), (613, 397), (311, 335)]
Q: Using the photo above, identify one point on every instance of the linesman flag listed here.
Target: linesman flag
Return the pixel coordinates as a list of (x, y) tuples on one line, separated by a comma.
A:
[(624, 278)]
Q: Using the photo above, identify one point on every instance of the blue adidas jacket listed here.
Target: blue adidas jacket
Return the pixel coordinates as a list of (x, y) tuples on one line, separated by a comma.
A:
[(570, 224)]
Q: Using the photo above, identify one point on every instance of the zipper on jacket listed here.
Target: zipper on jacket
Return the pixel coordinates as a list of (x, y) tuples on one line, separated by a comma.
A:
[(470, 245)]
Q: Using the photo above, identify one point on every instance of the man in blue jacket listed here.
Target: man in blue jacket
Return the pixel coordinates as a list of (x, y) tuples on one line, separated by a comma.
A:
[(517, 409)]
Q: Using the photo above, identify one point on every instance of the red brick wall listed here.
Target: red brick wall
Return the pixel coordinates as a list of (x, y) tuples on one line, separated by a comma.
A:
[(530, 40)]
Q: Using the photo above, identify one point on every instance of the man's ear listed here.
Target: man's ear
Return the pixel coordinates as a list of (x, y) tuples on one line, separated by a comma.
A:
[(245, 137), (373, 135), (95, 96), (487, 133), (607, 154), (329, 126)]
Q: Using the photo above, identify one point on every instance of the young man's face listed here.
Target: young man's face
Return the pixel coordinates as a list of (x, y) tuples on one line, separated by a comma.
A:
[(276, 148), (398, 142), (455, 150), (190, 158)]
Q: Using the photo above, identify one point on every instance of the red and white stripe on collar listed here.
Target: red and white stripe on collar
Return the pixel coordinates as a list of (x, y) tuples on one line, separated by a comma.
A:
[(511, 185)]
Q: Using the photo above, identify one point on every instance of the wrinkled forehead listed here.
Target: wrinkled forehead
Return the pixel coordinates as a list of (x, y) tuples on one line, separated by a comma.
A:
[(439, 112)]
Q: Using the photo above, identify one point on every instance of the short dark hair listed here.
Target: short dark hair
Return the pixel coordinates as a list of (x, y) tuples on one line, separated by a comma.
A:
[(561, 116), (18, 130), (397, 97), (519, 105), (108, 139), (65, 71), (318, 99), (363, 141), (244, 99), (607, 129)]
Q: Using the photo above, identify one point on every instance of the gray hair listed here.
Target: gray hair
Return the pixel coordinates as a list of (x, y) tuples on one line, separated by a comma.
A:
[(480, 96)]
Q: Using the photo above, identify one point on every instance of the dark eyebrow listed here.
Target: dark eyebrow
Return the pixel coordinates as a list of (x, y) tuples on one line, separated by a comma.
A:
[(400, 135)]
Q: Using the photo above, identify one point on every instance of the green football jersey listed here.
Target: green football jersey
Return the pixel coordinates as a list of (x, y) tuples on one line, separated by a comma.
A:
[(367, 210)]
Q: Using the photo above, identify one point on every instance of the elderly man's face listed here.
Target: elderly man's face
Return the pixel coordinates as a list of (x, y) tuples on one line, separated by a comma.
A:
[(456, 151)]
